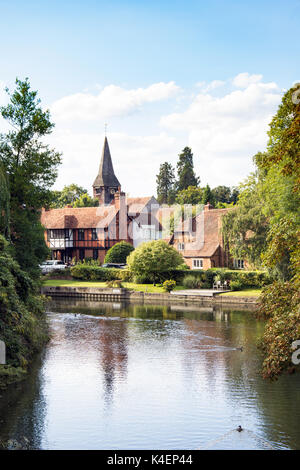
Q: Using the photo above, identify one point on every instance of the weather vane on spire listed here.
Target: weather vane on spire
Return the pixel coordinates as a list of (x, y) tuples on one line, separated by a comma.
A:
[(105, 129)]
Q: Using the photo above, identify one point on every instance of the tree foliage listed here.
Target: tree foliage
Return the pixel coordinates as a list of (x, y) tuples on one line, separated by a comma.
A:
[(118, 253), (31, 168), (73, 195), (185, 170), (153, 258), (22, 323), (4, 204), (165, 181), (190, 195)]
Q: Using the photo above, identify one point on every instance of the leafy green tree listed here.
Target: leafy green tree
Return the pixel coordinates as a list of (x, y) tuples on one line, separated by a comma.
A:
[(265, 227), (185, 170), (245, 227), (225, 194), (221, 194), (280, 302), (190, 195), (22, 322), (73, 195), (208, 196), (31, 167), (85, 200), (4, 204), (165, 181), (153, 259), (118, 253)]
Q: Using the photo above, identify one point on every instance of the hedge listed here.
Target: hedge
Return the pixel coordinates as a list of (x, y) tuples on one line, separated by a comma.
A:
[(205, 279), (87, 272)]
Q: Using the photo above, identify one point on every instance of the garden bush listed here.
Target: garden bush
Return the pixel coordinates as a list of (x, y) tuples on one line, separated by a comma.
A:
[(236, 285), (118, 253), (87, 272), (169, 285)]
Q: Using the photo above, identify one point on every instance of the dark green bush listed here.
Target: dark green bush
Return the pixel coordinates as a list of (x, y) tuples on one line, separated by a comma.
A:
[(118, 253), (87, 272), (236, 285)]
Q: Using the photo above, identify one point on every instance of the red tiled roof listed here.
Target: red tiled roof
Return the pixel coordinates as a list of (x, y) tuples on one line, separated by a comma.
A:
[(80, 217), (207, 235), (137, 204)]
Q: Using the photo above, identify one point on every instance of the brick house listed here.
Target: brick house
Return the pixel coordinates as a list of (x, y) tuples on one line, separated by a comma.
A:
[(199, 239)]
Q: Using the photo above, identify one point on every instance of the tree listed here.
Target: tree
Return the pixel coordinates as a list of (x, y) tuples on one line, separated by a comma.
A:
[(165, 181), (153, 259), (31, 167), (185, 170), (22, 322), (73, 195), (221, 194), (265, 226), (4, 204), (225, 194), (85, 200), (245, 227), (118, 253), (280, 302), (208, 196), (191, 195)]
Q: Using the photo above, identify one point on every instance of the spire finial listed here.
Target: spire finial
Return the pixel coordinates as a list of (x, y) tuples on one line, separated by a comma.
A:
[(105, 129)]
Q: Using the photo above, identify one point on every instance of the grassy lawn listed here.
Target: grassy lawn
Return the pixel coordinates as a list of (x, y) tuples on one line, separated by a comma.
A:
[(244, 293), (128, 285)]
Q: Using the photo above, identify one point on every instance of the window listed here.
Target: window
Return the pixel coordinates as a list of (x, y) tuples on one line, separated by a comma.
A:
[(98, 190), (81, 234), (95, 254), (239, 263), (81, 254), (180, 246), (94, 234), (57, 234), (197, 263)]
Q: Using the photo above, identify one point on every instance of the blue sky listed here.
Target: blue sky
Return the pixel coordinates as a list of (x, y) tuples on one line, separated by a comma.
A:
[(68, 48)]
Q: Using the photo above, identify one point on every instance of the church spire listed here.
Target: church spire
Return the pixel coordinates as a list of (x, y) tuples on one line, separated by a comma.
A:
[(106, 182)]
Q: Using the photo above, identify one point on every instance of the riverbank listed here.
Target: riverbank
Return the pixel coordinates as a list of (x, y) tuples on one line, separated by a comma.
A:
[(146, 293)]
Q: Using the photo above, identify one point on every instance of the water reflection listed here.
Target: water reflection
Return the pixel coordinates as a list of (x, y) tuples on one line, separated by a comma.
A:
[(145, 376)]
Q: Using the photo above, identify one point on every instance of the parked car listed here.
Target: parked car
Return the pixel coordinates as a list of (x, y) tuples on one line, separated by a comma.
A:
[(114, 265), (52, 265)]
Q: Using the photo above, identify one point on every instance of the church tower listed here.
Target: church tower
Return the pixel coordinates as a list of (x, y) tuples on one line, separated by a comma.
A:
[(106, 183)]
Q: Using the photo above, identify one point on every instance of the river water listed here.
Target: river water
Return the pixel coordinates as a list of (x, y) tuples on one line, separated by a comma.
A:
[(151, 377)]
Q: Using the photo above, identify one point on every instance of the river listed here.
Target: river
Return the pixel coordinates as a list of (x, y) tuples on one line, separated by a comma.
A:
[(151, 377)]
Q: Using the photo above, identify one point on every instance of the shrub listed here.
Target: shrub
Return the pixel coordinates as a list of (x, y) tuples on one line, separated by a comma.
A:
[(236, 285), (169, 285), (191, 282), (87, 272), (154, 259), (118, 253), (114, 283)]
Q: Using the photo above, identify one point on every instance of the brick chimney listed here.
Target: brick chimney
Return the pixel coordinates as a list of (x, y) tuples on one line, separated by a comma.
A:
[(208, 207)]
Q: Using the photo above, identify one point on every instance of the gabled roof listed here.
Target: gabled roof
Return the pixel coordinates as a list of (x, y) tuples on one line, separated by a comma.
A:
[(106, 175), (206, 237), (79, 217), (136, 205)]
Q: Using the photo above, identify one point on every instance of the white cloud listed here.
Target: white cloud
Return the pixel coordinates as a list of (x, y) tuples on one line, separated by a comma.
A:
[(225, 132), (242, 80), (111, 101), (210, 86)]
